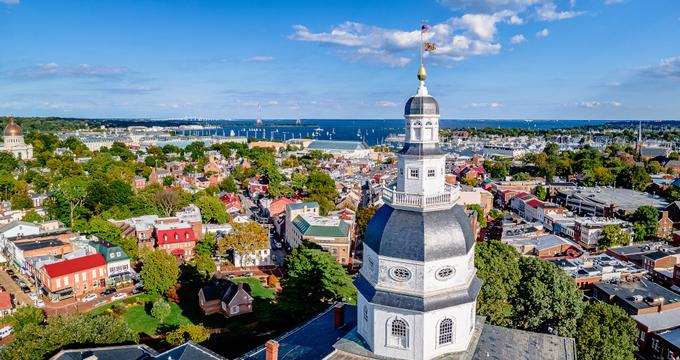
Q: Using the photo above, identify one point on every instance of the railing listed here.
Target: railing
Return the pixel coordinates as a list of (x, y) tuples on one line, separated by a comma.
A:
[(421, 201)]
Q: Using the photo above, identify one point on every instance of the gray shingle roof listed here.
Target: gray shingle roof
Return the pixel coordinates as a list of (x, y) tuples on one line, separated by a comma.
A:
[(421, 105)]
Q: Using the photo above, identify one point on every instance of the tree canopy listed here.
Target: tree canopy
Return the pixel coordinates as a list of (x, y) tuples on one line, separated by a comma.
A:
[(160, 272), (606, 332)]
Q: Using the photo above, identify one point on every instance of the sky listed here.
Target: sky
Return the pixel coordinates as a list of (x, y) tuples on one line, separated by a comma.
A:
[(495, 59)]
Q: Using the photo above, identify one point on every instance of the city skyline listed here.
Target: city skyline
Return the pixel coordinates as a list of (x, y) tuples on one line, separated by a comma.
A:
[(499, 59)]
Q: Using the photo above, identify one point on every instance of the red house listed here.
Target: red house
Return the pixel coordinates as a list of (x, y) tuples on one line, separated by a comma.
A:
[(232, 202), (278, 207), (77, 276), (177, 239), (5, 304)]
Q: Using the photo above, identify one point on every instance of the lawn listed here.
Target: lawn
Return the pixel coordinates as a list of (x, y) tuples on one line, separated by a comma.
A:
[(256, 288)]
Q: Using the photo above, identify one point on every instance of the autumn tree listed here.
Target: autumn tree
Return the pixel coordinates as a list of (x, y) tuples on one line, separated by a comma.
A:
[(244, 239), (186, 332), (167, 201), (364, 215)]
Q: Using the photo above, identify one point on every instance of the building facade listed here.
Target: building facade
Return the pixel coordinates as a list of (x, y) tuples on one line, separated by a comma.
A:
[(13, 142), (417, 288)]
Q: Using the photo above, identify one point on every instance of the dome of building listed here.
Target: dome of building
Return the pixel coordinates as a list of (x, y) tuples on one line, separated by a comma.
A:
[(12, 128), (421, 105), (420, 236)]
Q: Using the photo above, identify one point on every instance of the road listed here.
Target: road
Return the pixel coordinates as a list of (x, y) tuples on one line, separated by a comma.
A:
[(20, 297)]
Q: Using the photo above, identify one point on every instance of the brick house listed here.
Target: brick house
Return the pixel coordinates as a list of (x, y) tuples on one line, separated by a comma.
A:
[(139, 182), (664, 229), (225, 297), (232, 202), (177, 239), (74, 277)]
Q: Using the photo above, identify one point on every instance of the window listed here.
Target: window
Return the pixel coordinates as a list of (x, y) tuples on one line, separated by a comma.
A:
[(400, 273), (655, 344), (235, 309), (65, 281), (77, 277), (398, 333), (365, 313), (413, 173), (446, 332), (94, 273), (431, 172), (176, 236), (165, 237), (118, 254), (445, 273), (111, 255), (186, 235), (401, 171)]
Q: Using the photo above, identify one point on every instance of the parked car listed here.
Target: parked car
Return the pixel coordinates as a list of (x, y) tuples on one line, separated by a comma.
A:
[(89, 298), (136, 291), (10, 272), (39, 303), (107, 292), (100, 302), (247, 274), (26, 289), (33, 296), (231, 276), (118, 296)]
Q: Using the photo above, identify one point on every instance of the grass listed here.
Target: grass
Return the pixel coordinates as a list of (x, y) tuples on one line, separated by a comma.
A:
[(256, 288)]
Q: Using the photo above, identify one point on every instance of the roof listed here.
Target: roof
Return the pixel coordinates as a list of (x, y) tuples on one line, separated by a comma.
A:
[(337, 145), (73, 265), (627, 292), (224, 290), (421, 105), (658, 321), (500, 343), (311, 340), (38, 244), (420, 236), (111, 252), (184, 233), (321, 226), (298, 206), (544, 242), (15, 223), (672, 337), (625, 199), (127, 352), (189, 351), (5, 301)]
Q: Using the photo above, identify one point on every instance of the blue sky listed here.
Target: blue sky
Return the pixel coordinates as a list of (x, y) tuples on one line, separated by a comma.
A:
[(541, 59)]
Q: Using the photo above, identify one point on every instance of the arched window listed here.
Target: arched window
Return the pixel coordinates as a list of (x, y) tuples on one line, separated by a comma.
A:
[(398, 333), (445, 332)]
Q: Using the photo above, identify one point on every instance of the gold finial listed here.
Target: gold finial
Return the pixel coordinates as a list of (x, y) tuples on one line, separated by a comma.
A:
[(422, 74)]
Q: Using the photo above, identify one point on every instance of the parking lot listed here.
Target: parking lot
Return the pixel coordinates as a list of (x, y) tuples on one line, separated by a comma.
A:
[(8, 282)]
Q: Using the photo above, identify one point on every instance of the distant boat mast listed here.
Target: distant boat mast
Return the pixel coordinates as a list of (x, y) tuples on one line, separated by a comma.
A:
[(259, 115)]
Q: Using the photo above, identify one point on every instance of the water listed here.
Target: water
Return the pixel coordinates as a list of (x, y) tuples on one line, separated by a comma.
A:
[(373, 132)]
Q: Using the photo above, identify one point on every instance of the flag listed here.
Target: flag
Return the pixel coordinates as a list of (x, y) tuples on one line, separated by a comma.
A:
[(425, 28), (430, 46)]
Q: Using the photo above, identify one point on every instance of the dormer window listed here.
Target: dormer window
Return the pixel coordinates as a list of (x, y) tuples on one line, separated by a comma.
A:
[(165, 237)]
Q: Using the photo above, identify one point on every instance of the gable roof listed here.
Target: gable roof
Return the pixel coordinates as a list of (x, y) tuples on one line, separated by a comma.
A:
[(73, 265), (189, 351), (5, 301), (111, 252)]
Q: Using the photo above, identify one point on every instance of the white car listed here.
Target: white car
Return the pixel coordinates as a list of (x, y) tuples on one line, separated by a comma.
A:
[(89, 298), (39, 303), (5, 331), (33, 296), (118, 296)]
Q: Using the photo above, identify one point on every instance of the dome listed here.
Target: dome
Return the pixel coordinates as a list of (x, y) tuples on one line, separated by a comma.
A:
[(12, 128), (420, 236), (421, 105)]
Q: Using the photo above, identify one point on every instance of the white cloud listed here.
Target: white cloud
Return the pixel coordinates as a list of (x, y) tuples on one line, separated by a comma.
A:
[(518, 39), (387, 104), (272, 102), (543, 33), (668, 68), (591, 104), (456, 39), (493, 105), (259, 58), (549, 12), (614, 83), (54, 70)]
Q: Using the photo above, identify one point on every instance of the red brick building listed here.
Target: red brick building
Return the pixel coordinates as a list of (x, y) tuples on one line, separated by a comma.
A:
[(74, 277), (178, 239), (232, 202)]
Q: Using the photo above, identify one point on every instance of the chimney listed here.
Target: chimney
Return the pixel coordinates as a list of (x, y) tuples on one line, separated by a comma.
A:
[(339, 315), (272, 350)]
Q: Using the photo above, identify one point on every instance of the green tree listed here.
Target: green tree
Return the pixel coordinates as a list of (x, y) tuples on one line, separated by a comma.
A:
[(228, 184), (364, 215), (160, 310), (25, 316), (498, 267), (168, 180), (7, 183), (8, 162), (159, 272), (606, 332), (32, 216), (481, 217), (185, 332), (645, 220), (213, 209), (541, 193), (633, 177), (521, 176), (547, 298), (612, 235), (20, 199), (203, 255), (321, 188), (497, 170), (74, 191), (315, 280)]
